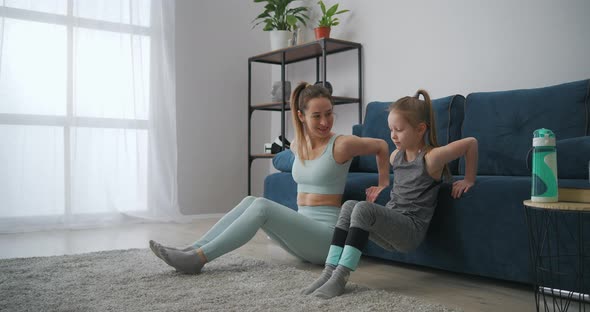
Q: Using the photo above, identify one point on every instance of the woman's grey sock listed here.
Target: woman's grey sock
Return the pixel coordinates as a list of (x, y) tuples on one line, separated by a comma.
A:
[(154, 248), (335, 285), (183, 261), (157, 253), (324, 277)]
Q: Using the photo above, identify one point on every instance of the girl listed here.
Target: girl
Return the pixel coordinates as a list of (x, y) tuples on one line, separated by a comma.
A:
[(418, 165), (322, 159)]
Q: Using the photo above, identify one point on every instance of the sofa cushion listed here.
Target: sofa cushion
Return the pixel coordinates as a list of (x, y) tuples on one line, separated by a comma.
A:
[(503, 123), (448, 118), (374, 126)]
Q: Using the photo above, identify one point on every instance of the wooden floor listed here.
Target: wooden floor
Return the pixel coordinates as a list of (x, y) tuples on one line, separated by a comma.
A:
[(461, 291)]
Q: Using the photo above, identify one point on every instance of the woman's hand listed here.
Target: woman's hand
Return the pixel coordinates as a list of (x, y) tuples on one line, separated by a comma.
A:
[(460, 187), (372, 193)]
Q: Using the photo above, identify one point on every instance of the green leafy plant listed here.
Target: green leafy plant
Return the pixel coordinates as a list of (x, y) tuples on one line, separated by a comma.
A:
[(328, 19), (278, 16)]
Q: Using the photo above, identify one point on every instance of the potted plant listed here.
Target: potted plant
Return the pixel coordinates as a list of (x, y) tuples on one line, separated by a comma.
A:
[(280, 20), (327, 20)]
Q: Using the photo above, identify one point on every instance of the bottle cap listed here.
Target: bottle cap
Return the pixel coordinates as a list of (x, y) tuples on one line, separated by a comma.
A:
[(543, 137), (543, 133)]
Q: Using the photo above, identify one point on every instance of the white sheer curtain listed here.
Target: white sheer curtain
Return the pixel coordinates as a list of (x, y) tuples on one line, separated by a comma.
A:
[(87, 113)]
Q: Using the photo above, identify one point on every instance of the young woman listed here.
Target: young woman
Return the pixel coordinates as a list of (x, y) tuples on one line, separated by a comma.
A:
[(418, 165), (322, 160)]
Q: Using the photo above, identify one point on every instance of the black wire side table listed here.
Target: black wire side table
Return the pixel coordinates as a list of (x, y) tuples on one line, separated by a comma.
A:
[(560, 254)]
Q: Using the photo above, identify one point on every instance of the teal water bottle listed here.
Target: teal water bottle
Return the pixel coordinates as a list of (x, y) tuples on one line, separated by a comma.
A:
[(544, 180)]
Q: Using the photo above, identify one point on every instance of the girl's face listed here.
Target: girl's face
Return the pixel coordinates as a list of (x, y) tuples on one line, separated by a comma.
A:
[(319, 118), (403, 134)]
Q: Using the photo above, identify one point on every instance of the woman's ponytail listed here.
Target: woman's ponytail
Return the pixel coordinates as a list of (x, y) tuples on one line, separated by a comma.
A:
[(302, 94), (301, 141)]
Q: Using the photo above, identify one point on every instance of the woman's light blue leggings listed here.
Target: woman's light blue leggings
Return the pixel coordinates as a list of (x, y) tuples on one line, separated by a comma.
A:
[(306, 234)]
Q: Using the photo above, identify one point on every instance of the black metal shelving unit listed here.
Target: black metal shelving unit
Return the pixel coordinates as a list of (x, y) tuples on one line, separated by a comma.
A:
[(319, 50)]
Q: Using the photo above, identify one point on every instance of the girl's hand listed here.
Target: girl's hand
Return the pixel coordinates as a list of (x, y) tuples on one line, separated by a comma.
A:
[(460, 187), (372, 193)]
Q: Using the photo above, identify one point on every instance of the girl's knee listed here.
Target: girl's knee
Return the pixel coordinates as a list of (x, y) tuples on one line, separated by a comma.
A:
[(347, 207), (349, 203), (363, 214)]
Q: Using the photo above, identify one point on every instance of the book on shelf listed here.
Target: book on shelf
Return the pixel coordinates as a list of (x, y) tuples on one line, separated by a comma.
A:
[(574, 194)]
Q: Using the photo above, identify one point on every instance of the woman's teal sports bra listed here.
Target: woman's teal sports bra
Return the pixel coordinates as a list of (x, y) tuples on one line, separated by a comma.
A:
[(322, 175)]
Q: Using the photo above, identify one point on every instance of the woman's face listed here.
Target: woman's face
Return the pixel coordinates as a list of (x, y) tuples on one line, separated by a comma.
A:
[(403, 134), (318, 119)]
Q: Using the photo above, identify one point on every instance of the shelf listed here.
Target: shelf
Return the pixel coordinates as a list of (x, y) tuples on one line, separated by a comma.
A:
[(305, 51), (253, 156), (276, 106), (318, 50)]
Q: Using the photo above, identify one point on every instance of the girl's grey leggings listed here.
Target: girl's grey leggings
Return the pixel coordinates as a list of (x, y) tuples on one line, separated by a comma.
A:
[(305, 234), (387, 227)]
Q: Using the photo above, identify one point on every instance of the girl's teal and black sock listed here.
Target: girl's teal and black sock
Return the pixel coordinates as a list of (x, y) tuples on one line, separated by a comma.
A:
[(351, 254), (336, 248)]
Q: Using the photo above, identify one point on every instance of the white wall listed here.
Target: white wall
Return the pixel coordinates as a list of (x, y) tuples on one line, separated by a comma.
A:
[(213, 42), (446, 47), (457, 46)]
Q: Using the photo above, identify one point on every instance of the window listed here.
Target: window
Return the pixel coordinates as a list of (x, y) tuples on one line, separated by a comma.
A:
[(74, 106)]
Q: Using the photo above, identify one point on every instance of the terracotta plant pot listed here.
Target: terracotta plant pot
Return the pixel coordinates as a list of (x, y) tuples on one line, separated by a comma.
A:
[(322, 32)]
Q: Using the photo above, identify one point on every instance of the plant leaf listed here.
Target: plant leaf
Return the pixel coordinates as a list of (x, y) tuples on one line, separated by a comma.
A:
[(270, 8), (291, 20), (301, 20), (296, 10), (332, 10), (265, 14), (322, 6)]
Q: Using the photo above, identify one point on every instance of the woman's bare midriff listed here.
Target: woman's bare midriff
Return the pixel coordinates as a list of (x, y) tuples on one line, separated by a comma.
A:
[(309, 199)]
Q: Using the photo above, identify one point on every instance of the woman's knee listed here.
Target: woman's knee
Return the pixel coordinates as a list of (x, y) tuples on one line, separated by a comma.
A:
[(260, 206), (248, 200)]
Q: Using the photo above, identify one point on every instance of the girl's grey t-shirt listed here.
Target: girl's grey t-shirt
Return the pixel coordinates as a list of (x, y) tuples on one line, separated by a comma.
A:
[(414, 191)]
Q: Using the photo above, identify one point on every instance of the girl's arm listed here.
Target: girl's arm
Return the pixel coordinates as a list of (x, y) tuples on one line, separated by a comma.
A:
[(440, 156), (349, 146), (471, 161)]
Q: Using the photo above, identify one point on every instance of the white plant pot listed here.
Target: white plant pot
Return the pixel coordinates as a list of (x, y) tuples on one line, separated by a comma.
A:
[(279, 39)]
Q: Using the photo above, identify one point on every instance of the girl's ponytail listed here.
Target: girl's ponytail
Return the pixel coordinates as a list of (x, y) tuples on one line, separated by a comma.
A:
[(428, 118)]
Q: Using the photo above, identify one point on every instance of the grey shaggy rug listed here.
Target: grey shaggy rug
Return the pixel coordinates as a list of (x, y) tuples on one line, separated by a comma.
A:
[(135, 280)]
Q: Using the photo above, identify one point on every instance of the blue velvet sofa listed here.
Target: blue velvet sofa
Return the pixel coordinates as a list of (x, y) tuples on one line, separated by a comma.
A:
[(485, 232)]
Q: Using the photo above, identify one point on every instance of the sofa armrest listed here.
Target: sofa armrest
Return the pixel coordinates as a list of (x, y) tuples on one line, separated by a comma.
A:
[(573, 156), (283, 161), (357, 130)]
